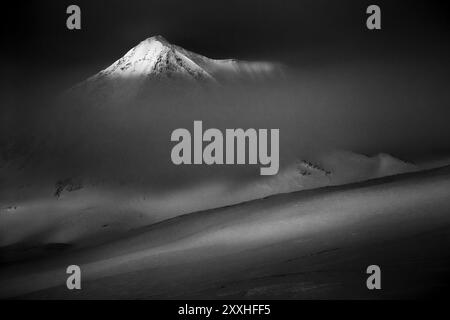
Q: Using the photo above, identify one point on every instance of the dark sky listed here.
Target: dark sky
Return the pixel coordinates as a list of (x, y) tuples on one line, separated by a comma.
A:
[(393, 82), (296, 32)]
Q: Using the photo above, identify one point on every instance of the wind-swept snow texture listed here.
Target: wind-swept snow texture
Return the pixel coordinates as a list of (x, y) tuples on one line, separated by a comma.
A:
[(308, 244)]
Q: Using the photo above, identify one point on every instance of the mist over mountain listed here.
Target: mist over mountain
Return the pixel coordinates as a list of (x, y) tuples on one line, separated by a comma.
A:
[(103, 147), (87, 176)]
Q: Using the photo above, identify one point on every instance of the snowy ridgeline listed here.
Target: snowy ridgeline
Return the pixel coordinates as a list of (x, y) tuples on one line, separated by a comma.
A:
[(155, 59)]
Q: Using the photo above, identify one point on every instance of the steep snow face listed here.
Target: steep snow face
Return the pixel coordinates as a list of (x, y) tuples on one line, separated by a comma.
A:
[(153, 57), (157, 59)]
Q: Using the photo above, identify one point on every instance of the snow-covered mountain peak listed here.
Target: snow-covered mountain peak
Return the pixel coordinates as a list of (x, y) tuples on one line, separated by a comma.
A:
[(154, 56), (155, 59)]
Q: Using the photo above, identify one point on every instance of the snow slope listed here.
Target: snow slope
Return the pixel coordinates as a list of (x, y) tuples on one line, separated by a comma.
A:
[(309, 244), (78, 213)]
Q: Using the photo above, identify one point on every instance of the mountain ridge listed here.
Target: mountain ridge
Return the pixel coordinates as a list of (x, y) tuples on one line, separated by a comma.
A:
[(157, 60)]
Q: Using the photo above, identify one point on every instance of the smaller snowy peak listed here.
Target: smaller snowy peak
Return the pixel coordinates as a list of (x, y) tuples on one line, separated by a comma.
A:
[(389, 165)]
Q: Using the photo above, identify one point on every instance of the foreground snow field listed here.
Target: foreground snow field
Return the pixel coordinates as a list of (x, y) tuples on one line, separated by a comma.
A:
[(308, 244)]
